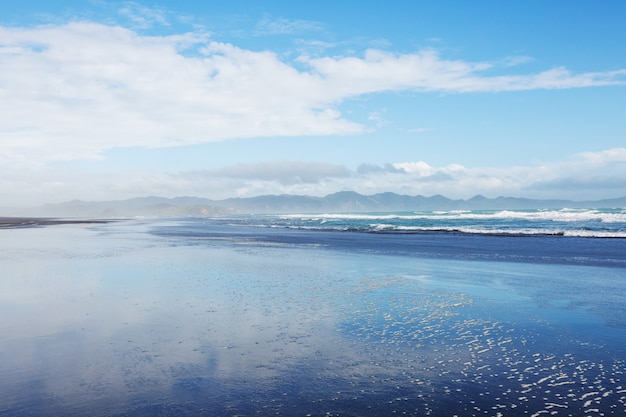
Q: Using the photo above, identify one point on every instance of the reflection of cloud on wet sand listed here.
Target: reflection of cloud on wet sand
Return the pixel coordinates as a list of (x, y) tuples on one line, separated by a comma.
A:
[(121, 326)]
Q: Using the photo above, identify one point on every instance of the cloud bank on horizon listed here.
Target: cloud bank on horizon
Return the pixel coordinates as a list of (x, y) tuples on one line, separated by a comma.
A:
[(117, 94)]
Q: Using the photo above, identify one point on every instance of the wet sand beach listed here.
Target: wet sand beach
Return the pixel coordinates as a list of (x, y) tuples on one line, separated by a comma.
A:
[(143, 318)]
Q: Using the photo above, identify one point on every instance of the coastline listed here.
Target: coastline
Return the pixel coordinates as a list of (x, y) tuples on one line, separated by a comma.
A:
[(24, 222)]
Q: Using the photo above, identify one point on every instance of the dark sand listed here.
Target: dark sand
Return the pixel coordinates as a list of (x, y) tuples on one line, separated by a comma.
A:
[(15, 222)]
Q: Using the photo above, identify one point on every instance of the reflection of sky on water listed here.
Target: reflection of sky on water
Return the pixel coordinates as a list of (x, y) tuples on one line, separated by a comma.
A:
[(110, 320)]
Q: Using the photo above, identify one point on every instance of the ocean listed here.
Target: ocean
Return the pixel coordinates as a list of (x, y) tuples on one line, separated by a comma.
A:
[(466, 313)]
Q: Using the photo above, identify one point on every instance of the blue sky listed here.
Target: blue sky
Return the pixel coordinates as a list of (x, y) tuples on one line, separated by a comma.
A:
[(103, 100)]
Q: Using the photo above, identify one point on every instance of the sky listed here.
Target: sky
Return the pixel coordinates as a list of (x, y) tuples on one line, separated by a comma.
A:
[(109, 100)]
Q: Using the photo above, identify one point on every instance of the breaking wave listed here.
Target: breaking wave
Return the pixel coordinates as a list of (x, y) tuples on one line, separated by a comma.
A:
[(600, 223)]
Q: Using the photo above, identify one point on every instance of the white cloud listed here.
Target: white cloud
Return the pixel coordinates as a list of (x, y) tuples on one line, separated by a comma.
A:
[(551, 180), (283, 172), (601, 173), (426, 71), (419, 168), (579, 178), (71, 91), (75, 90), (378, 118), (282, 26), (512, 61), (143, 17), (615, 155)]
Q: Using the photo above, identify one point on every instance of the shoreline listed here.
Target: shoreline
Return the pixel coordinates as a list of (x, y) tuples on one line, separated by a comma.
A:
[(25, 222)]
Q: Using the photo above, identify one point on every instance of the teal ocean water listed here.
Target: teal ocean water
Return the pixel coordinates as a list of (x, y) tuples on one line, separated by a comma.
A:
[(442, 313), (567, 222)]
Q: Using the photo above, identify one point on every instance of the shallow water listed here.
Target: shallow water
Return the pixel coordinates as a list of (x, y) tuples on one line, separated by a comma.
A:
[(202, 318)]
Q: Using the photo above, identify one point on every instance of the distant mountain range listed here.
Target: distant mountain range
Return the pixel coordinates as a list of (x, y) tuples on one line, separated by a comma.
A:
[(345, 201)]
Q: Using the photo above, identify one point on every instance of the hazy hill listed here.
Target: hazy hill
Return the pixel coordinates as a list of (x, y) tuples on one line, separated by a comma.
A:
[(345, 201)]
